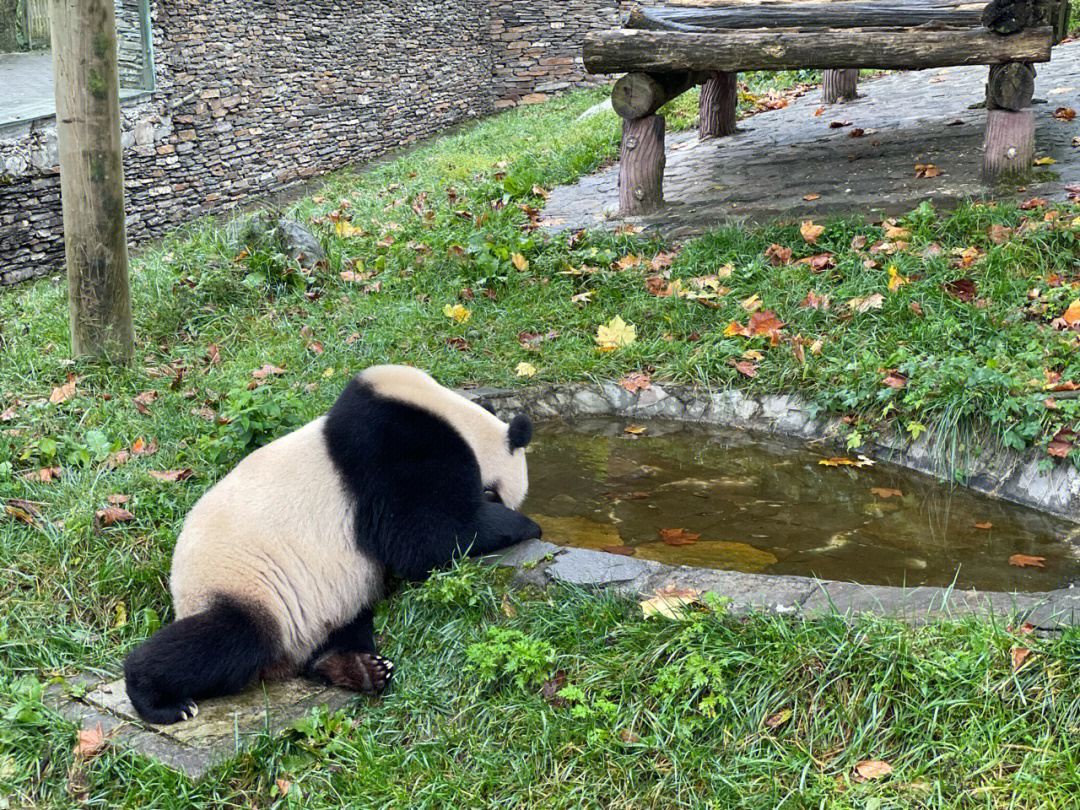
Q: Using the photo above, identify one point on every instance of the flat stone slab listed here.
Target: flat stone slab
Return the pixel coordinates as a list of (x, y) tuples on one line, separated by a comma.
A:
[(780, 157), (223, 727)]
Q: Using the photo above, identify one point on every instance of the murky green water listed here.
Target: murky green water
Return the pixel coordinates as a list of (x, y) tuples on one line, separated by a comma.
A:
[(766, 506)]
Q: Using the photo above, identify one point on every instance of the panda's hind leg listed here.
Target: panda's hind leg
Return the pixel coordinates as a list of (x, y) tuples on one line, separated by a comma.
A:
[(210, 654), (349, 659)]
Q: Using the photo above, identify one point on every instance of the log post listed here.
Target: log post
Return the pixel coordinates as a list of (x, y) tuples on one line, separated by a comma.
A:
[(637, 95), (1009, 145), (92, 177), (839, 85), (641, 165), (719, 98), (1010, 86)]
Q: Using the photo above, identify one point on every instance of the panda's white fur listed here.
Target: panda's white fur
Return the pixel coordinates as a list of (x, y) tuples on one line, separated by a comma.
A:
[(278, 562)]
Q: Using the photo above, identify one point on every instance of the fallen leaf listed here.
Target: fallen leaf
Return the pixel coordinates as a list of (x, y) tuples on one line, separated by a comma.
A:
[(540, 192), (1033, 203), (767, 324), (778, 255), (895, 379), (615, 333), (629, 737), (1044, 161), (457, 312), (346, 230), (1019, 656), (64, 392), (283, 786), (266, 371), (624, 551), (820, 262), (111, 515), (815, 301), (873, 769), (839, 124), (896, 281), (21, 515), (89, 742), (1064, 113), (962, 289), (670, 602), (751, 304), (626, 262), (143, 400), (213, 355), (985, 525), (549, 690), (118, 500), (811, 197), (635, 381), (744, 367), (46, 475), (885, 492), (678, 537), (520, 262), (926, 170), (635, 430), (841, 461), (459, 343), (1062, 442), (1023, 560), (141, 448), (810, 232), (874, 301), (171, 475), (778, 719), (525, 370)]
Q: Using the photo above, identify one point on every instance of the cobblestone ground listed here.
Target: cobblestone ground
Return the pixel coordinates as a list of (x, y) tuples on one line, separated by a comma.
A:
[(26, 86), (780, 157)]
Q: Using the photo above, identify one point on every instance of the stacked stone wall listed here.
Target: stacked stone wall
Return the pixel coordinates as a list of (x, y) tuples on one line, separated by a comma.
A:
[(254, 96)]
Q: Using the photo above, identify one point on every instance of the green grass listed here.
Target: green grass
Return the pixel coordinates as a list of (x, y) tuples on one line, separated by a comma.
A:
[(439, 228)]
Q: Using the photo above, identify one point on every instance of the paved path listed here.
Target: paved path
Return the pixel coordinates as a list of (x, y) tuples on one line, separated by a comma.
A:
[(26, 86), (779, 157)]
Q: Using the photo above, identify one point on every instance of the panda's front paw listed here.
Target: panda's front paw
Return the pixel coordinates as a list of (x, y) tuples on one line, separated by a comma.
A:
[(364, 672)]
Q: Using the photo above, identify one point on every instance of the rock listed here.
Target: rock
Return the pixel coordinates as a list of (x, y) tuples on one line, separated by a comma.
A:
[(299, 244), (253, 231), (598, 109)]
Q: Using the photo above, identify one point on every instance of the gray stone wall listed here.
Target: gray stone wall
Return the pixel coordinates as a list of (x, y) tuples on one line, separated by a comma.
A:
[(256, 95)]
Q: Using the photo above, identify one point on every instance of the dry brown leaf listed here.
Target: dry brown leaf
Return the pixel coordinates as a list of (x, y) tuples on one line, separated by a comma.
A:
[(811, 232), (874, 301), (815, 301), (626, 262), (266, 371), (89, 742), (811, 197), (46, 475), (64, 392), (873, 769), (171, 475), (111, 515), (143, 400), (1024, 560), (778, 255), (118, 500), (744, 367), (635, 381), (21, 515), (984, 525), (778, 719), (895, 379), (624, 551), (678, 537), (1064, 113), (141, 448), (670, 602), (1019, 656), (885, 492), (635, 430), (283, 786)]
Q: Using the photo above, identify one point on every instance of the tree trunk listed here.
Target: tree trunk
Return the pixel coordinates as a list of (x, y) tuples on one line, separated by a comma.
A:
[(719, 98), (621, 50), (641, 165), (1009, 146), (839, 85), (92, 177)]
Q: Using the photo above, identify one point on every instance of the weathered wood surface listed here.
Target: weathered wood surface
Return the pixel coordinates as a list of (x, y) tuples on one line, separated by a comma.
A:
[(623, 50), (839, 85), (1010, 86), (717, 106), (641, 165), (1009, 145), (637, 95), (1000, 16), (92, 178)]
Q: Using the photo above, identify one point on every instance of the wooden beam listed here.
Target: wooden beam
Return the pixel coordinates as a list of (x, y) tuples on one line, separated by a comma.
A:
[(624, 50), (852, 14), (92, 177), (637, 95)]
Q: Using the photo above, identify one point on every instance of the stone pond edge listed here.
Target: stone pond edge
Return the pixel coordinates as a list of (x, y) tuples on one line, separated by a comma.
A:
[(1004, 475)]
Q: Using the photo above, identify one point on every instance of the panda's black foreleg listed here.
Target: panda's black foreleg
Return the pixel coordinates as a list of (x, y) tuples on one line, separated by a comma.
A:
[(497, 527), (349, 659)]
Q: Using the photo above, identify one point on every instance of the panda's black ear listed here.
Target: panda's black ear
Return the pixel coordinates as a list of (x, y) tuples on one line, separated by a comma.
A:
[(520, 433), (487, 406)]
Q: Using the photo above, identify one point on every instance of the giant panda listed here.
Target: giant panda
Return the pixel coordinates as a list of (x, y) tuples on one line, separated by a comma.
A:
[(279, 564)]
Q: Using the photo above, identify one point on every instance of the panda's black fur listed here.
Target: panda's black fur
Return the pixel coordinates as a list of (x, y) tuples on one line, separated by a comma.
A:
[(412, 489)]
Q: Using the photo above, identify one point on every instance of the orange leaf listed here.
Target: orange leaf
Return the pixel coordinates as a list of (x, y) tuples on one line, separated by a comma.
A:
[(1019, 656), (810, 232), (744, 367), (678, 537), (635, 381), (89, 742), (1024, 560), (884, 492), (141, 448), (766, 323), (986, 525)]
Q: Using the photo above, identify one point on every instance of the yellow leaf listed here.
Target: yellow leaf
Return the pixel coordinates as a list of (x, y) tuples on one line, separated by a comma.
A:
[(635, 430), (525, 370), (520, 262), (896, 281), (615, 333), (725, 271), (752, 303), (457, 312), (346, 229), (810, 232), (1044, 161), (670, 602), (329, 372)]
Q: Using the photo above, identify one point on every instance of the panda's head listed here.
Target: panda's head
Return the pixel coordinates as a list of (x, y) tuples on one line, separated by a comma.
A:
[(502, 464)]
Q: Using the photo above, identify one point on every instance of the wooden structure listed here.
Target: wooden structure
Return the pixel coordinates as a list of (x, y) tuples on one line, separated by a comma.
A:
[(666, 51)]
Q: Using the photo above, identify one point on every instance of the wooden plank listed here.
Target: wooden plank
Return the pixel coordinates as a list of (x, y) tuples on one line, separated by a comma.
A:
[(877, 13), (675, 51)]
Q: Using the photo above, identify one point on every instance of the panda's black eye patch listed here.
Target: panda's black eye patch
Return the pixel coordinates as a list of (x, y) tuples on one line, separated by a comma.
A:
[(491, 495)]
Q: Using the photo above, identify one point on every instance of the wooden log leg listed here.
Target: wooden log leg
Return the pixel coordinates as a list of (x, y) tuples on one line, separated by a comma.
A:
[(641, 165), (839, 85), (1009, 146), (719, 97)]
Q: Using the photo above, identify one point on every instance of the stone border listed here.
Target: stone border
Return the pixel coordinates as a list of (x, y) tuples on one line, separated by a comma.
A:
[(1005, 475)]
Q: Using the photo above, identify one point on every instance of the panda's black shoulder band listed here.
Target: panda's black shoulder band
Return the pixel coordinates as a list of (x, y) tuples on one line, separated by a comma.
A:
[(520, 432)]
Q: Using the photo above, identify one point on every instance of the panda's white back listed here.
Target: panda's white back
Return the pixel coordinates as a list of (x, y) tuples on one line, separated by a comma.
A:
[(277, 532)]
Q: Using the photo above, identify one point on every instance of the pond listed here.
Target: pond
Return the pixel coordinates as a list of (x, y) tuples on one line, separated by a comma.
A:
[(762, 505)]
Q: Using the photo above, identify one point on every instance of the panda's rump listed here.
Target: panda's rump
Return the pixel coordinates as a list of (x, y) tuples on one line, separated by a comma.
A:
[(277, 533)]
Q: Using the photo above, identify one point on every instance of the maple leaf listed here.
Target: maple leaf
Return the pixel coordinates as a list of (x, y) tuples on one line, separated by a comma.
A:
[(744, 367), (1062, 443), (810, 232), (171, 475), (822, 261), (657, 285), (266, 371), (927, 170), (766, 323), (213, 355), (519, 261), (346, 229), (662, 260), (678, 537), (1069, 318), (615, 333), (874, 301), (141, 448), (457, 312), (635, 381), (525, 370), (626, 262), (873, 769), (885, 492), (1024, 560), (815, 301), (778, 255), (89, 742), (736, 329)]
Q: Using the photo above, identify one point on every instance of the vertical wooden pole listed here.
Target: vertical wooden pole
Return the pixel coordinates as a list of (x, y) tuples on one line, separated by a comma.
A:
[(92, 177), (641, 165), (717, 105), (1009, 145), (839, 85)]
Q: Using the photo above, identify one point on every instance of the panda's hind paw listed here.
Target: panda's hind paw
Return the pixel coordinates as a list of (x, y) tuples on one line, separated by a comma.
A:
[(364, 672)]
